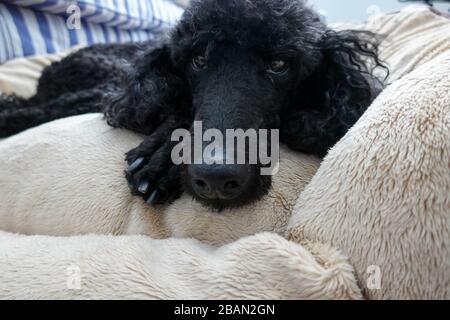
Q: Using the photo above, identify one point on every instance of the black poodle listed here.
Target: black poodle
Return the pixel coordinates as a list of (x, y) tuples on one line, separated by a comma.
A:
[(261, 64)]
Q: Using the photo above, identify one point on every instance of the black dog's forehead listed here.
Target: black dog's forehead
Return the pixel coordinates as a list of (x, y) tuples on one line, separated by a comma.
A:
[(230, 53), (281, 26)]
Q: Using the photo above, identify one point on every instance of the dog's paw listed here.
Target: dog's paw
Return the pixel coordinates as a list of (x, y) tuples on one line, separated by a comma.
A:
[(152, 175)]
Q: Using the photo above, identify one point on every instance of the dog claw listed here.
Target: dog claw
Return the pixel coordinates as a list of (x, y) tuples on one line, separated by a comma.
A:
[(152, 199), (135, 165), (143, 187)]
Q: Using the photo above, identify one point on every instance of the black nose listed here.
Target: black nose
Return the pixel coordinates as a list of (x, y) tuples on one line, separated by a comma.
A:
[(218, 181)]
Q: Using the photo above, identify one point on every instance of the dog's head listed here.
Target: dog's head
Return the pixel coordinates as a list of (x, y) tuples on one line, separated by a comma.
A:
[(261, 64)]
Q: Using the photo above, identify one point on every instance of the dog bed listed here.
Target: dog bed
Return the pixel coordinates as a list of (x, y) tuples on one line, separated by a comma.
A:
[(381, 198)]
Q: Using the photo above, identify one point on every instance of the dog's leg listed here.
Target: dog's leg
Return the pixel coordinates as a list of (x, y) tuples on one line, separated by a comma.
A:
[(151, 173), (19, 115), (154, 177)]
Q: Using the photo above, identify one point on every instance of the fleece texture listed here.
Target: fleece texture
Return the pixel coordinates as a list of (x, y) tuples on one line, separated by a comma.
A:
[(381, 198), (389, 208), (265, 266), (389, 205)]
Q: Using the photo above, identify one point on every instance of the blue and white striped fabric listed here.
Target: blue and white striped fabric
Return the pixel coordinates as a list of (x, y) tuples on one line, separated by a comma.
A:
[(31, 27)]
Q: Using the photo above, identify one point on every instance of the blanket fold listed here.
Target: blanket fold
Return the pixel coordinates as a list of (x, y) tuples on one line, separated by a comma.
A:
[(265, 266)]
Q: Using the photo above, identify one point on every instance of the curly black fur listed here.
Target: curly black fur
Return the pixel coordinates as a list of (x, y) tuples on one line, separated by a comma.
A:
[(154, 88)]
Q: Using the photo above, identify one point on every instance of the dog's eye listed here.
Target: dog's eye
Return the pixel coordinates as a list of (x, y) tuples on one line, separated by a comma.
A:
[(199, 62), (278, 67)]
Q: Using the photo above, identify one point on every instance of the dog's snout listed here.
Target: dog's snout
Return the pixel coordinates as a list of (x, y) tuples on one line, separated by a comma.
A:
[(218, 181)]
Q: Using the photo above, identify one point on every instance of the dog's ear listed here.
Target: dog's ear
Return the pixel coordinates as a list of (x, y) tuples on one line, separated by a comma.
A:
[(333, 97), (154, 90)]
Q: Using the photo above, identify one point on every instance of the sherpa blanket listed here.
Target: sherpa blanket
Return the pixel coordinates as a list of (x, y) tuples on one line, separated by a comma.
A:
[(381, 198)]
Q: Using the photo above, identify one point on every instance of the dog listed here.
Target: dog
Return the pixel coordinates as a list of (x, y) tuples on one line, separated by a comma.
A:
[(250, 64)]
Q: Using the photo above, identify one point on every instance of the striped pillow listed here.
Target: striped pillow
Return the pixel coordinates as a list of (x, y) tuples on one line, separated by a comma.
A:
[(31, 27)]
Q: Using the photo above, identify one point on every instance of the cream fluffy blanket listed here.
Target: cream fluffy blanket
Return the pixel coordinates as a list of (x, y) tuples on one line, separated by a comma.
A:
[(381, 197)]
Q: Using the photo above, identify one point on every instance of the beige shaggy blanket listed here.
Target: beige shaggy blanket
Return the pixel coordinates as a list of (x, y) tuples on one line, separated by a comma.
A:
[(381, 198)]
